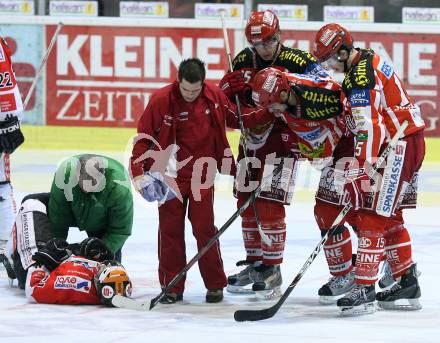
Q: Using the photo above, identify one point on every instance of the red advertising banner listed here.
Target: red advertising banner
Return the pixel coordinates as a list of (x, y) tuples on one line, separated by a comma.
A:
[(104, 76)]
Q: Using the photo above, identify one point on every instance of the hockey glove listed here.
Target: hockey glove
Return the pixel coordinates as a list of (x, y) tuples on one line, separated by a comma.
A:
[(358, 189), (52, 254), (10, 135), (234, 83), (94, 249)]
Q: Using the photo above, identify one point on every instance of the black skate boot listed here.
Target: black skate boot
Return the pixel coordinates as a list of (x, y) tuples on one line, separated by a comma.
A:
[(237, 283), (360, 300), (404, 295), (336, 287), (267, 281)]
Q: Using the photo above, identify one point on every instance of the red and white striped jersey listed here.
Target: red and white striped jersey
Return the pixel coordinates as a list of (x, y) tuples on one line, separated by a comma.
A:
[(376, 104), (10, 98), (316, 120)]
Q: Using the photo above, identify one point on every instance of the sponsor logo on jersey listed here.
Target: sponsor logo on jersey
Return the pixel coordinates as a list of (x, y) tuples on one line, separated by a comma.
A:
[(310, 136), (387, 70), (390, 182), (364, 242), (360, 98), (362, 137), (360, 74), (74, 283)]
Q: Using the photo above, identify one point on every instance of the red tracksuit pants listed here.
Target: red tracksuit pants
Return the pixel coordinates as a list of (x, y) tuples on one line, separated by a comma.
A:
[(172, 255)]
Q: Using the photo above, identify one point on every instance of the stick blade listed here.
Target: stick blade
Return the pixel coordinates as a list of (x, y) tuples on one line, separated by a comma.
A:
[(127, 303), (254, 315)]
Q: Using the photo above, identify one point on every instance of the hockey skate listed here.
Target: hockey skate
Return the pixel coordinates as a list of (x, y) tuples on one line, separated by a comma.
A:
[(404, 295), (387, 278), (336, 287), (267, 282), (360, 300), (237, 283)]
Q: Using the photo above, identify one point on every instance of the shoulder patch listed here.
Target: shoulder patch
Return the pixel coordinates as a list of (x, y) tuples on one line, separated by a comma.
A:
[(386, 69)]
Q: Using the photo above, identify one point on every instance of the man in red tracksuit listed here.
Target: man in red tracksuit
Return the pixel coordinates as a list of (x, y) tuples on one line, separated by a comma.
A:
[(180, 146)]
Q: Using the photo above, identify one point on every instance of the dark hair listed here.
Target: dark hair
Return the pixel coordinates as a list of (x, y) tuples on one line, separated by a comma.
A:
[(192, 70)]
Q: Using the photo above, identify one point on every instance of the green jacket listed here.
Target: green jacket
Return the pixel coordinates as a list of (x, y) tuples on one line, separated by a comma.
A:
[(110, 210)]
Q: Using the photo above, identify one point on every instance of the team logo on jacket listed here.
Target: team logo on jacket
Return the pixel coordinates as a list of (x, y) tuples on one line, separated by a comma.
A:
[(360, 98), (74, 283)]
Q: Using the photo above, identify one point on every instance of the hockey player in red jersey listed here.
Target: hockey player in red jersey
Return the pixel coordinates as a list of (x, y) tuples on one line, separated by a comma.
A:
[(263, 261), (10, 138), (312, 109), (377, 104), (58, 277)]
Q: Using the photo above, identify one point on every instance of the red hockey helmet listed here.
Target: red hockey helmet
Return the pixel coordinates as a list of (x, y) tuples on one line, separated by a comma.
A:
[(262, 26), (267, 86), (330, 39)]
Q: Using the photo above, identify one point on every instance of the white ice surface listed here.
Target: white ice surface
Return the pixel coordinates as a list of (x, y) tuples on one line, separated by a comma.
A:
[(300, 320)]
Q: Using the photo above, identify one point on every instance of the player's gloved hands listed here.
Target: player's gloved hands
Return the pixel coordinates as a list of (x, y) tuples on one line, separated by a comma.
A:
[(94, 249), (10, 135), (52, 253), (152, 187), (357, 190), (233, 83)]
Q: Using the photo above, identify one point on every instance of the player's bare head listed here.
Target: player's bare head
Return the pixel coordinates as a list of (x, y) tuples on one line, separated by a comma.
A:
[(91, 176), (191, 75), (263, 33)]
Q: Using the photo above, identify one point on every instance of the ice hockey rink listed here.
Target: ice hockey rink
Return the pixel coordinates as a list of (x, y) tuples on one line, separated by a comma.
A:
[(301, 318)]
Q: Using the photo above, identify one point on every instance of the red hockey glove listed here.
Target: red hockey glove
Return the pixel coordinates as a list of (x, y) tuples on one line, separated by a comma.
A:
[(358, 189), (233, 83)]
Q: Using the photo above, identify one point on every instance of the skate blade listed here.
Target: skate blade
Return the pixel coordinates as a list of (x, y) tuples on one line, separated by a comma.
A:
[(401, 305), (239, 289), (269, 294), (358, 310)]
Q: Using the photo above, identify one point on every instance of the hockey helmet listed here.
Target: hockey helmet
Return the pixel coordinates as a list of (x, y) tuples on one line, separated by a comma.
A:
[(111, 279), (261, 26), (330, 39), (267, 86)]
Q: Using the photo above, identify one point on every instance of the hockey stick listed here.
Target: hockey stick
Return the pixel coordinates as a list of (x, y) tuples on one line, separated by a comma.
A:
[(263, 236), (254, 315), (43, 63), (123, 302)]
